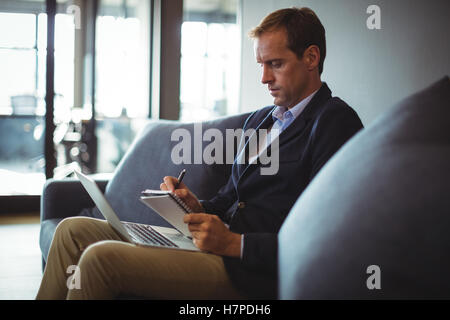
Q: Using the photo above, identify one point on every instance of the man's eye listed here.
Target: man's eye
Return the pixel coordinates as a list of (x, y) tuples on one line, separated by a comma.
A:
[(276, 64)]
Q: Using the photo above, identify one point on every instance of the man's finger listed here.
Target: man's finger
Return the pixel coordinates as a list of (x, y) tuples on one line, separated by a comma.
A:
[(193, 227), (182, 193), (195, 218), (170, 182)]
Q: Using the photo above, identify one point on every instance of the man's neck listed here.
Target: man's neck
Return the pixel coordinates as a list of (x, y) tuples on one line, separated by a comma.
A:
[(312, 87)]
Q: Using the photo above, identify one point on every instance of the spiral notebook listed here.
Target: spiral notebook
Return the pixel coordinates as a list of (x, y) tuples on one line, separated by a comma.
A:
[(170, 207)]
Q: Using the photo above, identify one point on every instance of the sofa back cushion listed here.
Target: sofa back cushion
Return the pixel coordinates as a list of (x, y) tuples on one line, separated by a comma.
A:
[(375, 222), (150, 158)]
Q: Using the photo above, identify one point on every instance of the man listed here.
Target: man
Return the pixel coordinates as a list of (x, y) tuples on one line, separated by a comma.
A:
[(237, 229)]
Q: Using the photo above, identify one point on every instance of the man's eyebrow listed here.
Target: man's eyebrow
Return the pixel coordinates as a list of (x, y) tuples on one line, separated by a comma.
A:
[(271, 60), (277, 60)]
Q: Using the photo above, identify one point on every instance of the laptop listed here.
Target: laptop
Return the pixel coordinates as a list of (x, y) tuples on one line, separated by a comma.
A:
[(139, 234)]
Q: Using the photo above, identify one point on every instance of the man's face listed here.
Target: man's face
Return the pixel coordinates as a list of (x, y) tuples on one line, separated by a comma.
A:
[(284, 73)]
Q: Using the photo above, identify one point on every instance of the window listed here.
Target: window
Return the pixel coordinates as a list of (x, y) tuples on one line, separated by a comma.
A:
[(109, 96), (22, 79), (210, 51), (122, 77), (23, 60)]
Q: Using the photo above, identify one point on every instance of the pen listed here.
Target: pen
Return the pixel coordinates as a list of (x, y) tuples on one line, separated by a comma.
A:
[(180, 177)]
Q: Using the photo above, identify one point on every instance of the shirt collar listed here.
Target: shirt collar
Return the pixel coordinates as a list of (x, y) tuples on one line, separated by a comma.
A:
[(282, 113)]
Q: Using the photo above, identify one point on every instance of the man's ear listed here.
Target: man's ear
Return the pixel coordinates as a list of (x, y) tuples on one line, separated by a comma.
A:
[(312, 57)]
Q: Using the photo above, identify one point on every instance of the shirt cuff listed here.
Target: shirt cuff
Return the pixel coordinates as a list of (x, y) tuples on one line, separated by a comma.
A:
[(242, 246)]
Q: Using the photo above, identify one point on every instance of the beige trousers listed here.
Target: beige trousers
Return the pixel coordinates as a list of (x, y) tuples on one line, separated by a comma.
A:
[(88, 260)]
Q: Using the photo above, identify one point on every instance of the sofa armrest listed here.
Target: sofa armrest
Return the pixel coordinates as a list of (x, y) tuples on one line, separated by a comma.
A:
[(66, 198)]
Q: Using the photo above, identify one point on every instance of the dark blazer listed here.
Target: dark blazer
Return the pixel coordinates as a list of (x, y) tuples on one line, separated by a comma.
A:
[(256, 205)]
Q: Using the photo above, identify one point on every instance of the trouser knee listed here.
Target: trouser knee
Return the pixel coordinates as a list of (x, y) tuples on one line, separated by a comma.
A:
[(96, 268), (65, 227), (71, 224), (72, 231)]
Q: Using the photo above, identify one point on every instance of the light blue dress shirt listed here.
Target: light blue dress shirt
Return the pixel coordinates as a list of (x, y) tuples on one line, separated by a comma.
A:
[(283, 116)]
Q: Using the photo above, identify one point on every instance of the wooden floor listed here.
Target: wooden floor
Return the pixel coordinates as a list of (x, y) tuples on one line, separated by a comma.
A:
[(20, 256)]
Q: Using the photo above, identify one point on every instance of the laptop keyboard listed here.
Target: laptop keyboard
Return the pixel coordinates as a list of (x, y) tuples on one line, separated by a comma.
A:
[(147, 234)]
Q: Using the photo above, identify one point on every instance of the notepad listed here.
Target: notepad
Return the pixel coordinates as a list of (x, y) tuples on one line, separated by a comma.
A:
[(169, 206)]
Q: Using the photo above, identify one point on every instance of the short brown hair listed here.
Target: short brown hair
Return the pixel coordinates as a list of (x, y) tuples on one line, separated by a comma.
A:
[(303, 29)]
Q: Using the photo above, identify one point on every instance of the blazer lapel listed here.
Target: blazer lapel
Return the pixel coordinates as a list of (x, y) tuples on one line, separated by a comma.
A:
[(297, 126), (264, 124), (291, 132)]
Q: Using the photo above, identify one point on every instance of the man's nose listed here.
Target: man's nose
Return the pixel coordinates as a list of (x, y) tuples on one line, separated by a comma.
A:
[(267, 75)]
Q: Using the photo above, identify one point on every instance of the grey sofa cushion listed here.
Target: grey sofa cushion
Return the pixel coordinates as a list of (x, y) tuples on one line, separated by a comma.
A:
[(149, 160), (46, 233), (384, 200)]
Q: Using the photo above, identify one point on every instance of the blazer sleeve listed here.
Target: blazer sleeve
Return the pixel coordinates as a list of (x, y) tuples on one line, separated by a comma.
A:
[(260, 251), (220, 204), (333, 128)]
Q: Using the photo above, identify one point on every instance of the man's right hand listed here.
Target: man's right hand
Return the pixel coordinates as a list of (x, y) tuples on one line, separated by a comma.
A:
[(183, 192)]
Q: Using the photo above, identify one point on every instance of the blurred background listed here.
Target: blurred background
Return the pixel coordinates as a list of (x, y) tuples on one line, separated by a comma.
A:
[(81, 104)]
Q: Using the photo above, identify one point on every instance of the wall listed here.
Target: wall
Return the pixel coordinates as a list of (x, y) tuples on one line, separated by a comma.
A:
[(370, 69)]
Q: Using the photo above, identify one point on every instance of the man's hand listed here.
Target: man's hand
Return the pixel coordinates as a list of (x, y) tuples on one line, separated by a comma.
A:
[(183, 192), (210, 234)]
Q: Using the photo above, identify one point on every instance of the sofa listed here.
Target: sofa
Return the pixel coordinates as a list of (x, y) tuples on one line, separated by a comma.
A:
[(146, 162), (375, 221), (373, 224)]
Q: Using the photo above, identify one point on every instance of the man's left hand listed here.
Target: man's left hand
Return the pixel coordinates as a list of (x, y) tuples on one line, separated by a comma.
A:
[(211, 234)]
